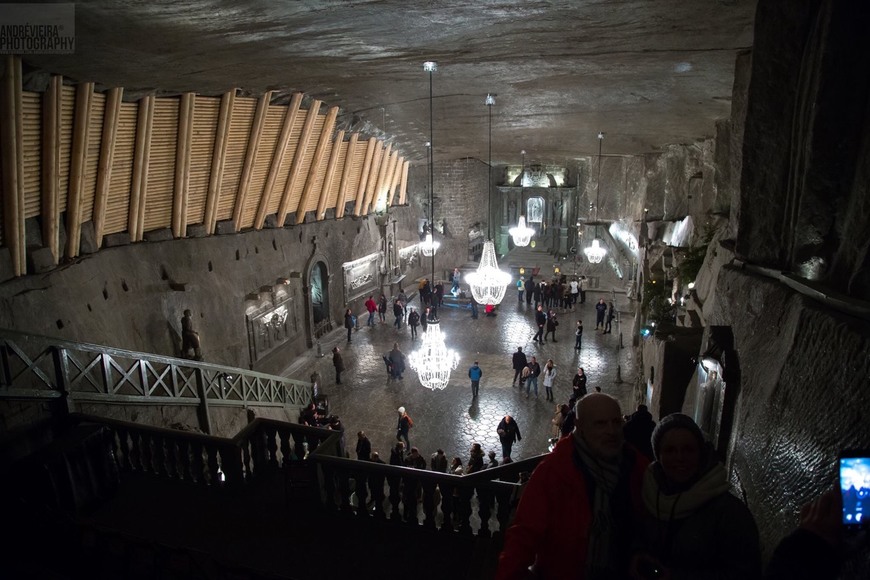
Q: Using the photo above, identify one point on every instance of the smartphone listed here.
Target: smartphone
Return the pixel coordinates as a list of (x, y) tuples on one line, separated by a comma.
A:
[(855, 488)]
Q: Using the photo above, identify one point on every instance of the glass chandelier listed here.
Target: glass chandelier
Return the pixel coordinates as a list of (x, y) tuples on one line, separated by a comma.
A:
[(596, 252), (433, 362), (428, 247), (488, 283), (522, 234)]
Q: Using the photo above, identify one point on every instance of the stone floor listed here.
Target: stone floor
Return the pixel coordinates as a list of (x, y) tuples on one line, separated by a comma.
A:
[(450, 419)]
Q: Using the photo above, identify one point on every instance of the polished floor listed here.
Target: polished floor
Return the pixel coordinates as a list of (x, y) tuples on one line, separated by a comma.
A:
[(451, 419)]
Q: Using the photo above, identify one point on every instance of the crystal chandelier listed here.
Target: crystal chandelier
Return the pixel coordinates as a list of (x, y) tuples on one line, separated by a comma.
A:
[(522, 234), (429, 246), (433, 362), (596, 252), (488, 284)]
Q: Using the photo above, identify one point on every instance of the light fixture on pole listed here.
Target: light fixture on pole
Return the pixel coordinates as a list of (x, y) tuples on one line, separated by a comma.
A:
[(522, 234), (488, 283), (433, 361), (429, 246), (596, 252)]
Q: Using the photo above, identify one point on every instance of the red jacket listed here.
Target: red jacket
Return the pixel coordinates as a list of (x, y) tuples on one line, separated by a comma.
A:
[(551, 526), (371, 306)]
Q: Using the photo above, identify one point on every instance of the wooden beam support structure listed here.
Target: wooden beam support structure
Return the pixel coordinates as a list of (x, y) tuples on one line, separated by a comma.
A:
[(385, 174), (296, 166), (403, 188), (50, 208), (376, 176), (12, 146), (218, 159), (319, 152), (364, 176), (141, 154), (78, 158), (107, 155), (182, 164), (251, 157), (394, 180), (349, 157), (330, 175), (277, 159)]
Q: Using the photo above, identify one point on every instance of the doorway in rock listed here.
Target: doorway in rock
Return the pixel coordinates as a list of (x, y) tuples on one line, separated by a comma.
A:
[(319, 296)]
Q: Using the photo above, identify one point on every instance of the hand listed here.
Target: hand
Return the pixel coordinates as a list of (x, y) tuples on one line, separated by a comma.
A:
[(823, 517)]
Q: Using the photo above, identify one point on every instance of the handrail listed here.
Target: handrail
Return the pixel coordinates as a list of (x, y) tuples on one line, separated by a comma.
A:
[(34, 366)]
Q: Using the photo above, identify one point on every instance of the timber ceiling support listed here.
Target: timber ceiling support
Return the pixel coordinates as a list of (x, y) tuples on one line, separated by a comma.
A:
[(363, 178), (319, 152), (182, 165), (141, 155), (107, 155), (330, 175), (403, 188), (278, 159), (218, 159), (394, 180), (349, 158), (78, 158), (52, 102), (375, 175), (251, 157), (298, 157), (11, 144)]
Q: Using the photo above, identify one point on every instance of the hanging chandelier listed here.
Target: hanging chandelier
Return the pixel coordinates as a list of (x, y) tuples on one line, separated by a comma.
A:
[(522, 234), (428, 247), (488, 283), (433, 362), (596, 252)]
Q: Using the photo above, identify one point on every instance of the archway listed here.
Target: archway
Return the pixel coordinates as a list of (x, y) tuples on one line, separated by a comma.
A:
[(319, 292)]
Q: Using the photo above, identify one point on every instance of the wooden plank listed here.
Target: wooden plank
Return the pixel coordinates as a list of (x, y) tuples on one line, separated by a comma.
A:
[(205, 121), (349, 155), (277, 158), (182, 165), (296, 166), (330, 175), (250, 157), (140, 167), (394, 182), (403, 189), (376, 191), (389, 179), (107, 155), (319, 151), (75, 191), (377, 169), (363, 178), (217, 161), (11, 131), (52, 102)]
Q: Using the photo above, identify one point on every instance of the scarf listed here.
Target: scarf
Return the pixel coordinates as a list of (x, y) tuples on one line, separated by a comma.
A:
[(602, 531), (677, 506)]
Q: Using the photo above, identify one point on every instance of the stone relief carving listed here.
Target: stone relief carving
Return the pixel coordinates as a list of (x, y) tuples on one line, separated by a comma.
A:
[(535, 210), (271, 327), (361, 276)]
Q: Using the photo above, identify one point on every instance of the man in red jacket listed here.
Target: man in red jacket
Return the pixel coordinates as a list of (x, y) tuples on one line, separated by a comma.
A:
[(577, 513)]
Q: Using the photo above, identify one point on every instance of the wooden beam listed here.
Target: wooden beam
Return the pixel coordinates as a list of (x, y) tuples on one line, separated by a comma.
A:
[(182, 164), (251, 157), (330, 175), (394, 180), (376, 176), (364, 176), (52, 102), (141, 151), (78, 157), (349, 157), (107, 155), (403, 189), (277, 159), (296, 166), (390, 179), (11, 145), (218, 159), (386, 170), (319, 152)]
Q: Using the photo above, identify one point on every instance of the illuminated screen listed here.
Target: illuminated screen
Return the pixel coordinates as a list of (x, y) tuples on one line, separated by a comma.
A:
[(855, 487)]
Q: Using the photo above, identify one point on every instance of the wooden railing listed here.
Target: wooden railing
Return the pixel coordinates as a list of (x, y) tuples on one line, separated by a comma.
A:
[(33, 366)]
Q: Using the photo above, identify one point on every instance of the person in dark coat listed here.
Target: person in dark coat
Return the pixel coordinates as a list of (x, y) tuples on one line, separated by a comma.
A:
[(600, 310), (611, 314), (413, 322), (508, 433), (638, 431), (348, 322), (397, 357), (578, 335), (530, 289), (382, 308), (693, 527), (338, 363), (540, 321), (475, 459), (519, 363), (552, 323), (363, 447)]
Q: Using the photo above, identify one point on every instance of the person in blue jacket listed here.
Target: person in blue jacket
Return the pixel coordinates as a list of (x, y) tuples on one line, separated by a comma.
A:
[(474, 373)]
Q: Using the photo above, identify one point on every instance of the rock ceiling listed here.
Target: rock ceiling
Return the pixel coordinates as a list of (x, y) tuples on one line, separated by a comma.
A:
[(648, 73)]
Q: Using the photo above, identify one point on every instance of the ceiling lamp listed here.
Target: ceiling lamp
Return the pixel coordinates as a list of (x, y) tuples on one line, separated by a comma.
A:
[(433, 362), (488, 283), (428, 247), (522, 234), (596, 252)]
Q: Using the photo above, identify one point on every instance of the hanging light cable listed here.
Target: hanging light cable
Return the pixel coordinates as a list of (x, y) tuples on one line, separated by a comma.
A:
[(433, 361), (488, 284), (522, 234), (596, 252), (429, 246)]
